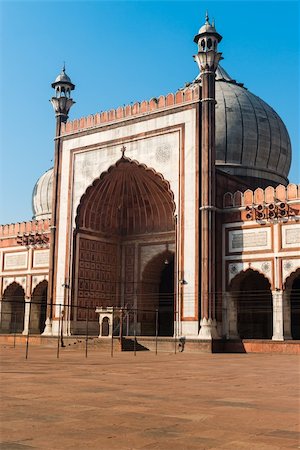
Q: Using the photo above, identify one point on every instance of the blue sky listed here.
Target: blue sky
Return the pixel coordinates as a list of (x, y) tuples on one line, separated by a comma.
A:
[(122, 52)]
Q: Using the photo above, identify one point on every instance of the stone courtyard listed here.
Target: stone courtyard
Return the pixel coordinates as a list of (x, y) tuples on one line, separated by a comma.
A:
[(165, 401)]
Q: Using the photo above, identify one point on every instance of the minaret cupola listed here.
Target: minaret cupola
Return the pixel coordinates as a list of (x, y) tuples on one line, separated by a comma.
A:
[(62, 101), (207, 40)]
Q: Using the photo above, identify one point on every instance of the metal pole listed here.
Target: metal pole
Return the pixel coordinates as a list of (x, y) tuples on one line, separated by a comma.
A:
[(175, 332), (58, 332), (134, 332), (28, 332), (127, 322), (156, 329), (62, 329), (15, 329), (112, 334), (121, 328), (87, 331)]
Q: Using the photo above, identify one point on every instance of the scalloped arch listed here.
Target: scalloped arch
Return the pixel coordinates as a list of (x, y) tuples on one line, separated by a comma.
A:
[(129, 198), (9, 290), (289, 280), (240, 276)]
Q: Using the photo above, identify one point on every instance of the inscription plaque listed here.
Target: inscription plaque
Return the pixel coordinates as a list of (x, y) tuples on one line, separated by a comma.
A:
[(292, 236), (15, 260), (41, 258), (240, 240)]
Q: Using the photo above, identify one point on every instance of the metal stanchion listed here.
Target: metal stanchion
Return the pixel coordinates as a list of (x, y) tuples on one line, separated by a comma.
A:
[(134, 332), (121, 328), (62, 344), (28, 332), (112, 334), (156, 330), (15, 329), (175, 332), (58, 332), (87, 331), (127, 322)]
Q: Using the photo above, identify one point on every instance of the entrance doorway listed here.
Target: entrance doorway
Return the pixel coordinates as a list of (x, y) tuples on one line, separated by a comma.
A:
[(251, 292), (157, 293)]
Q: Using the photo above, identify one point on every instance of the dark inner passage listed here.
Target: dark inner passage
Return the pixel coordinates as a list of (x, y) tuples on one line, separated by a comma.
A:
[(166, 300), (295, 309), (254, 305), (43, 313)]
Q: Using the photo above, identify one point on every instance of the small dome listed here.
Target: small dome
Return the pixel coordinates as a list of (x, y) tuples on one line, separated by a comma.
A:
[(207, 28), (42, 196), (63, 78)]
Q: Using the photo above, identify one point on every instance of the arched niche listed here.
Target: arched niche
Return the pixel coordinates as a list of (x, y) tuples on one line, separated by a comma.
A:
[(13, 309), (128, 207), (105, 327), (251, 297)]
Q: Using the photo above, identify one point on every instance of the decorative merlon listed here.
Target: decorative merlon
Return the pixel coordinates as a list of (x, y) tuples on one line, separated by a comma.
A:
[(32, 226), (268, 195), (181, 97)]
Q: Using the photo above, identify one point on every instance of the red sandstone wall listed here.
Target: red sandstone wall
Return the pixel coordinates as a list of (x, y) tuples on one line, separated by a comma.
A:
[(9, 232)]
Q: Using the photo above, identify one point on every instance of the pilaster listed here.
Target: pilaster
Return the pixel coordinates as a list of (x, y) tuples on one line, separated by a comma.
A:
[(278, 334)]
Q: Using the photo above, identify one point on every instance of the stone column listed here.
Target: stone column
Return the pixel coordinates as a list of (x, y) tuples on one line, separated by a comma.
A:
[(277, 316), (27, 315)]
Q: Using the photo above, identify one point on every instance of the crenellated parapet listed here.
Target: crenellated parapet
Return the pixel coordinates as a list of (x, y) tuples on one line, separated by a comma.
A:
[(32, 226), (269, 195), (181, 97)]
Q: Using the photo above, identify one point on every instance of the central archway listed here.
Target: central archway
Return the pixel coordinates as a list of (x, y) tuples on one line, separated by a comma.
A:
[(125, 215)]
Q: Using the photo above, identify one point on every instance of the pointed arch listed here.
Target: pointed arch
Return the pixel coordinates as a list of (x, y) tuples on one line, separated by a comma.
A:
[(13, 309), (125, 215), (129, 198), (251, 293)]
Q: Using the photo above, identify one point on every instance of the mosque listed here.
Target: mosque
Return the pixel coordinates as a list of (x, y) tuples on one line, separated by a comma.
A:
[(175, 214)]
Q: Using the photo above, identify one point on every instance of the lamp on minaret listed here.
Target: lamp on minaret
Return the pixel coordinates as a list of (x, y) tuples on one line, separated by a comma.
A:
[(62, 103), (207, 59)]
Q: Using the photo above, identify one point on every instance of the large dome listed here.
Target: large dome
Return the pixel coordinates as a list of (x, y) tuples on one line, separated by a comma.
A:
[(252, 142), (42, 196)]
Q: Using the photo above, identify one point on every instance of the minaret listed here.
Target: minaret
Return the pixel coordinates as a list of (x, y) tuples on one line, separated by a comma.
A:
[(207, 59), (62, 103)]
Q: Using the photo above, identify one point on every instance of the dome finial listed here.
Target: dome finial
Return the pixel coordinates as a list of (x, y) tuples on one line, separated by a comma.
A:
[(64, 67), (206, 17), (123, 150)]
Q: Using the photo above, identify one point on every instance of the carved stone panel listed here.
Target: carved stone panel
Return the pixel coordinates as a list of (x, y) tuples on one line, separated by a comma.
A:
[(97, 276)]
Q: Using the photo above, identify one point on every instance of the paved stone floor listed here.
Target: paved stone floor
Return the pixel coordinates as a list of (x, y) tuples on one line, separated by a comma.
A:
[(168, 401)]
